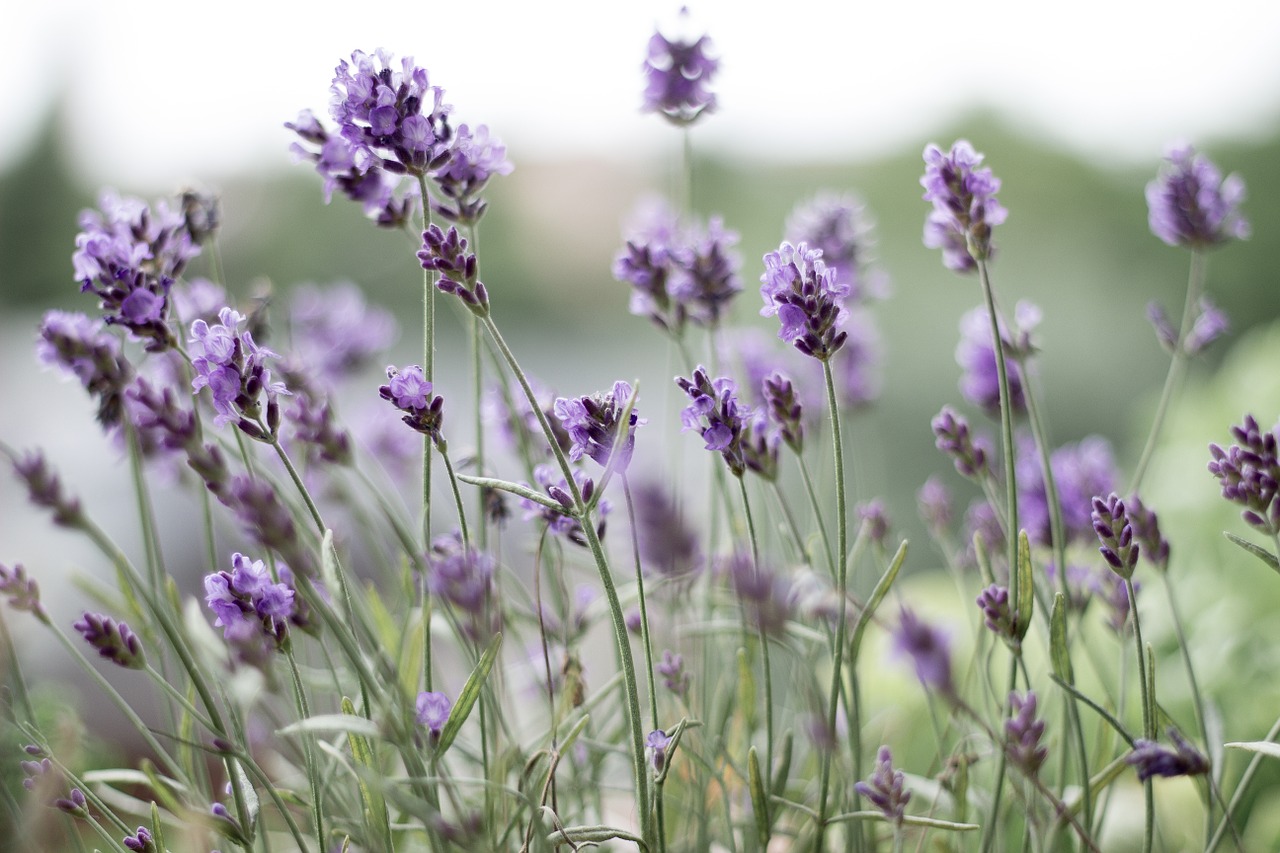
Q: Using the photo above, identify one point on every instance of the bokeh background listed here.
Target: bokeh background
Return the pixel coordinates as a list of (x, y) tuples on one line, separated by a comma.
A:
[(1072, 104)]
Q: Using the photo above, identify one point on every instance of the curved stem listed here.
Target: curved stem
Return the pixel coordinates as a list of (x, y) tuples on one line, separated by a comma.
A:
[(644, 610)]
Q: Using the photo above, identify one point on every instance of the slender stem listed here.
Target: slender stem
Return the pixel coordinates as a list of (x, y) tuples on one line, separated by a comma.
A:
[(428, 361), (1148, 716), (644, 610), (1177, 366), (760, 634), (817, 513), (308, 749), (457, 496), (842, 572), (993, 822)]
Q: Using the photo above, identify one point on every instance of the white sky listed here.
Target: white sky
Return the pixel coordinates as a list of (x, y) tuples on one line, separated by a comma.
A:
[(162, 91)]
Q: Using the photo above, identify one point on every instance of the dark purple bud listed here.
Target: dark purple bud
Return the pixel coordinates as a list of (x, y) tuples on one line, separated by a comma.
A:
[(45, 489), (141, 841), (114, 641), (1119, 549), (73, 804), (994, 601), (23, 591), (1152, 759), (953, 438), (886, 788), (1023, 733)]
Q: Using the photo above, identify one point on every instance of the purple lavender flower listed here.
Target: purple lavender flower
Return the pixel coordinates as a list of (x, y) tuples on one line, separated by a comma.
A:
[(35, 772), (23, 591), (767, 597), (981, 521), (678, 74), (81, 346), (141, 841), (1113, 592), (393, 117), (856, 366), (268, 521), (875, 517), (1080, 471), (464, 578), (594, 422), (1023, 732), (705, 277), (446, 254), (474, 157), (1152, 759), (1111, 523), (674, 677), (996, 610), (976, 355), (1191, 205), (73, 804), (1146, 530), (716, 414), (954, 439), (964, 205), (808, 300), (113, 640), (1249, 473), (668, 545), (410, 392), (784, 410), (934, 503), (233, 368), (251, 608), (564, 523), (886, 788), (44, 488), (1210, 324), (760, 444), (838, 226), (334, 332), (314, 426), (657, 742), (929, 650), (432, 711)]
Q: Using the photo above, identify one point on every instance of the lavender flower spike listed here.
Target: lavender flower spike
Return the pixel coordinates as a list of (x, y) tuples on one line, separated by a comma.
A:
[(807, 298), (594, 424), (23, 591), (1111, 523), (446, 254), (432, 712), (1249, 473), (410, 392), (929, 651), (113, 640), (886, 788), (657, 742), (1191, 205), (677, 73), (1024, 733), (1152, 759), (228, 362), (717, 415), (964, 205)]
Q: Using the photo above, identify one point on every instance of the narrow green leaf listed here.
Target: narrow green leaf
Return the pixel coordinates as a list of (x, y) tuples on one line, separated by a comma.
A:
[(783, 769), (366, 762), (746, 690), (1261, 553), (1263, 747), (877, 596), (251, 802), (984, 561), (467, 698), (514, 488), (157, 830), (572, 736), (908, 820), (1058, 652), (347, 722), (759, 801), (594, 834), (1026, 588), (329, 571)]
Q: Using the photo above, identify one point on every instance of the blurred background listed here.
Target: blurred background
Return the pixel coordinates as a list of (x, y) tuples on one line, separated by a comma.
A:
[(1073, 106)]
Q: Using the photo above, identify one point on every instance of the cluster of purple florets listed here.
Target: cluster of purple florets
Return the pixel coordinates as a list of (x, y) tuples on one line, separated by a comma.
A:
[(963, 193), (228, 362), (808, 299), (1192, 205), (249, 605), (678, 72), (408, 389), (594, 425), (717, 415), (1249, 473)]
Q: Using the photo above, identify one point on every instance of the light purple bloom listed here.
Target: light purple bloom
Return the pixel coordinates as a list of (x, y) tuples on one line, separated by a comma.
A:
[(82, 347), (334, 332), (839, 226), (1152, 759), (113, 640), (233, 368), (1249, 473), (964, 205), (716, 415), (1111, 524), (886, 788), (410, 392), (432, 711), (976, 355), (657, 742), (1191, 205), (474, 157), (593, 424), (678, 74), (929, 651), (464, 578), (1080, 471), (253, 610), (798, 287), (1024, 732), (22, 590)]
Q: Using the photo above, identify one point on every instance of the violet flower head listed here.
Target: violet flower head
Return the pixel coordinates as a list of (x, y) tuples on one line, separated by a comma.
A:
[(717, 415), (857, 365), (798, 287), (668, 545), (1210, 323), (228, 362), (474, 157), (594, 425), (952, 437), (268, 521), (1152, 759), (767, 597), (760, 444), (565, 522), (22, 590), (886, 788), (73, 804), (1191, 205), (656, 743), (677, 73), (873, 515), (785, 409), (446, 254), (674, 677), (964, 205), (44, 489), (334, 332), (464, 578), (839, 226), (1080, 471), (1111, 523), (976, 355), (432, 712), (929, 651), (933, 500), (996, 611), (313, 425), (141, 841), (705, 277), (1146, 530), (389, 114), (651, 255), (113, 640), (409, 391), (1249, 473), (1024, 732), (253, 610), (81, 346)]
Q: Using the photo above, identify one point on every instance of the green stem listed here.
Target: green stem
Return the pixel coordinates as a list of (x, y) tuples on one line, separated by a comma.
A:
[(1148, 715), (308, 749), (1177, 366), (428, 361), (760, 635), (644, 610), (817, 513), (443, 448), (842, 572)]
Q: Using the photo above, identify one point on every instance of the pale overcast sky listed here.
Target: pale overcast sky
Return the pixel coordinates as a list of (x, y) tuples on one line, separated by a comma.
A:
[(161, 91)]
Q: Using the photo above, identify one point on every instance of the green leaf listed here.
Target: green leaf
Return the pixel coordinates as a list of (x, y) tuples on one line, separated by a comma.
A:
[(251, 802), (329, 571), (759, 800), (1262, 747), (366, 761), (1261, 553), (467, 698), (984, 562), (746, 690), (157, 830), (594, 834), (1058, 651), (514, 488), (1026, 588), (348, 722), (783, 769), (877, 595)]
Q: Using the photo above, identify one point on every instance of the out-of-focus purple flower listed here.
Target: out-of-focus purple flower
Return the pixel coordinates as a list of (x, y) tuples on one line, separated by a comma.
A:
[(1080, 471), (268, 521), (1152, 759), (474, 157), (705, 277), (677, 74), (657, 742), (934, 502), (766, 596), (809, 302), (1113, 592), (81, 346), (716, 415), (976, 355), (1210, 324), (981, 520), (594, 422), (410, 392), (23, 591), (389, 114), (1146, 530), (784, 409), (996, 610), (433, 712), (73, 804), (954, 439), (1023, 732), (334, 332), (446, 253), (113, 640), (1191, 205), (760, 443), (197, 299), (557, 488), (228, 362), (886, 788), (1249, 473), (464, 578), (838, 225), (876, 519), (1111, 523), (929, 651), (856, 366), (36, 771), (964, 205), (668, 545), (141, 841), (674, 677), (44, 489), (314, 426)]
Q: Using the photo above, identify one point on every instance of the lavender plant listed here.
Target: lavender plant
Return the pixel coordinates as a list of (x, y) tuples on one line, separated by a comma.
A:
[(404, 677)]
